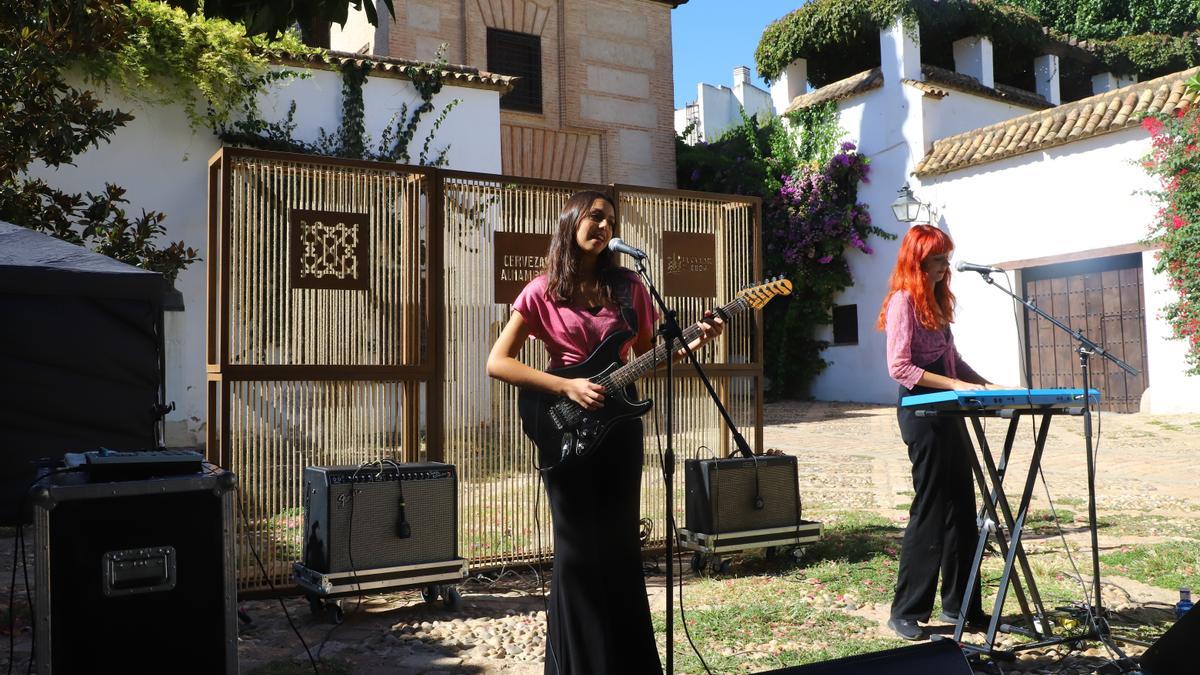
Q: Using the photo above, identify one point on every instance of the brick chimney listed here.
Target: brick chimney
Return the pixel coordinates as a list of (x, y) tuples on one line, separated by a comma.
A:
[(741, 76)]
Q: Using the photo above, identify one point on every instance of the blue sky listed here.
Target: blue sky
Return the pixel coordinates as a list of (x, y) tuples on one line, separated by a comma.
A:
[(712, 37)]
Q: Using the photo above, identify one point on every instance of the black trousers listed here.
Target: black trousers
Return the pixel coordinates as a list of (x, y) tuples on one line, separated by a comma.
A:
[(942, 529)]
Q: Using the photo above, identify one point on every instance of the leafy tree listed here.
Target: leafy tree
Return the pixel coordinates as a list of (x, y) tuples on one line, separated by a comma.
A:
[(1112, 19), (274, 17), (45, 119)]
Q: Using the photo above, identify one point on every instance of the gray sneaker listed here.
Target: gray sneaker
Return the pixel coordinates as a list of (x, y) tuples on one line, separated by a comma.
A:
[(907, 629)]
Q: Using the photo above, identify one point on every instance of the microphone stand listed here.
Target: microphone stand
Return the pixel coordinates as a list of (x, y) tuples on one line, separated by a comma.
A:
[(670, 331), (1086, 349)]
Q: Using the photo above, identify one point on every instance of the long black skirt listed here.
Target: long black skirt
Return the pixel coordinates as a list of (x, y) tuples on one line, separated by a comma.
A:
[(599, 618)]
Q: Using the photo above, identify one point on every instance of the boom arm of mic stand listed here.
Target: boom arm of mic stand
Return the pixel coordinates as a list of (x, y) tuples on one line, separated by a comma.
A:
[(739, 440), (1073, 332)]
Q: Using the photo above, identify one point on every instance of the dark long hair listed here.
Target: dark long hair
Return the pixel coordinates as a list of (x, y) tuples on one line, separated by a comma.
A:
[(562, 260)]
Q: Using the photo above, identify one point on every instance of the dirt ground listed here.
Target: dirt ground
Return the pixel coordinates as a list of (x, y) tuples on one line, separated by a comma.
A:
[(851, 458)]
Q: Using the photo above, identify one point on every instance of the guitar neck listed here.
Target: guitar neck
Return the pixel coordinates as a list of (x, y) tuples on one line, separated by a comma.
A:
[(644, 363)]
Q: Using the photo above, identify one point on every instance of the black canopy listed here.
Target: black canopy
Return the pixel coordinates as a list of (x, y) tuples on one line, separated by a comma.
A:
[(80, 355)]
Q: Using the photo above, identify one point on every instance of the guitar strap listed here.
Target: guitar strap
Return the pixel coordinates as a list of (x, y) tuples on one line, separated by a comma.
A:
[(624, 296)]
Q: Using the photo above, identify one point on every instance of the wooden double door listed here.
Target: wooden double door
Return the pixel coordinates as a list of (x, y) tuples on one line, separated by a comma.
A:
[(1102, 297)]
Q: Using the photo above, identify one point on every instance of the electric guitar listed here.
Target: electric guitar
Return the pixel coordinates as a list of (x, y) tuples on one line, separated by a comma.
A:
[(562, 428)]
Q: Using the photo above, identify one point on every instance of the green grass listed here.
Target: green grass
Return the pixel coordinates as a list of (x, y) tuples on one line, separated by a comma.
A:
[(1167, 565), (774, 614), (1166, 425), (1126, 525)]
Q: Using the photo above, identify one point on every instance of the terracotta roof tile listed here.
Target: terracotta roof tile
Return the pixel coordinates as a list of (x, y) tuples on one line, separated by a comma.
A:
[(931, 90), (463, 76), (842, 89), (1085, 118), (958, 81), (938, 83)]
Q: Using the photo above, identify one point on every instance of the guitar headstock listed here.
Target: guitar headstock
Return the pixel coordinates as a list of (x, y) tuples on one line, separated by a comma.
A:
[(759, 295)]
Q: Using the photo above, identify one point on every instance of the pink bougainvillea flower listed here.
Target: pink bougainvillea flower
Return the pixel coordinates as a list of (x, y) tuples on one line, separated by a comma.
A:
[(1152, 124)]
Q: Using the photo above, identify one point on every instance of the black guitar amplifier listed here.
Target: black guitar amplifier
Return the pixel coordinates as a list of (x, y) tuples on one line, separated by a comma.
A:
[(360, 518), (738, 494)]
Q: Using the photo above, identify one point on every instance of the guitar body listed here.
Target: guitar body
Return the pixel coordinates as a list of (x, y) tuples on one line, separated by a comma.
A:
[(561, 428)]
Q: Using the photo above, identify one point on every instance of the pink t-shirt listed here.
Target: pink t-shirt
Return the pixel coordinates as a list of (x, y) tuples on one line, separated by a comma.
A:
[(911, 346), (571, 332)]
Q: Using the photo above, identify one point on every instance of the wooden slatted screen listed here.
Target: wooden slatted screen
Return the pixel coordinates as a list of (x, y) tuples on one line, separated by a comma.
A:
[(391, 363)]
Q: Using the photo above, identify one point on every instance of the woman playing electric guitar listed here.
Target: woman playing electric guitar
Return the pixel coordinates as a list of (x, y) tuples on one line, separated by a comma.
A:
[(599, 618)]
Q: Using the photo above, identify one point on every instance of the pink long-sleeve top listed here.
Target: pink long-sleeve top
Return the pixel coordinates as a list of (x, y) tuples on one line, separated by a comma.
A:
[(571, 332), (910, 343)]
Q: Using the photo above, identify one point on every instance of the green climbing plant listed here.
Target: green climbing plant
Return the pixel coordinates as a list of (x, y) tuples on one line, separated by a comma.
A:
[(839, 38)]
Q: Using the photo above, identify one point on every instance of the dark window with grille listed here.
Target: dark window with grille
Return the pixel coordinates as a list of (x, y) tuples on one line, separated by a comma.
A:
[(845, 325), (519, 54)]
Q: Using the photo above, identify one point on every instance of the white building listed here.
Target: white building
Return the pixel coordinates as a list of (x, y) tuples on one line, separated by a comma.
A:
[(718, 108), (162, 162), (1051, 192)]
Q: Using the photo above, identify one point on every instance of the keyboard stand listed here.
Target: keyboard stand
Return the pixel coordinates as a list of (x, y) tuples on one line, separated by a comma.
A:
[(1012, 549)]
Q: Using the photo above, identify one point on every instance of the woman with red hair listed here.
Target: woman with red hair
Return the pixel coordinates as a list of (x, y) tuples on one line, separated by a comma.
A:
[(921, 356)]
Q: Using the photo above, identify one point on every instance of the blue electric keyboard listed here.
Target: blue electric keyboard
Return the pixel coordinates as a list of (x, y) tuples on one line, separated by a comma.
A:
[(1001, 399)]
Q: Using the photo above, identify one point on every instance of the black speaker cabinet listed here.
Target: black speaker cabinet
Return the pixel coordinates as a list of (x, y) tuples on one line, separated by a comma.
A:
[(738, 494), (1174, 652), (134, 576), (361, 518), (939, 657)]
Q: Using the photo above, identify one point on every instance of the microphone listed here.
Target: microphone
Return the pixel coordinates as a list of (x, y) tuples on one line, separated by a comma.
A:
[(617, 246), (972, 267), (403, 529)]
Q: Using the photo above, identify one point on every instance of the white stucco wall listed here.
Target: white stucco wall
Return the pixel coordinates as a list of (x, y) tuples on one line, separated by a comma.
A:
[(959, 111), (720, 108), (754, 100), (881, 122), (162, 163)]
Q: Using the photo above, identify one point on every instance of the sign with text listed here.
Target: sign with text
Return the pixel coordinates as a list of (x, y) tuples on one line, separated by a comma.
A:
[(689, 264), (519, 257)]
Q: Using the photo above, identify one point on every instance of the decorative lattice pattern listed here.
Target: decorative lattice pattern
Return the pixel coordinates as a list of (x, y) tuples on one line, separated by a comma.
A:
[(329, 250)]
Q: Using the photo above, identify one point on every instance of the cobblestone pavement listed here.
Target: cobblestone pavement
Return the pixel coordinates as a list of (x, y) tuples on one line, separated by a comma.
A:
[(850, 458)]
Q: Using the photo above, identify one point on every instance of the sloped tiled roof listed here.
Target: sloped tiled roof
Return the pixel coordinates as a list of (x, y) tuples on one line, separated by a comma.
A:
[(463, 76), (836, 91), (937, 82), (970, 85), (1085, 118)]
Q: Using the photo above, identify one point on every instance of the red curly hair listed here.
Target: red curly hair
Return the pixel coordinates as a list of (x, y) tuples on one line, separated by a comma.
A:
[(934, 310)]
